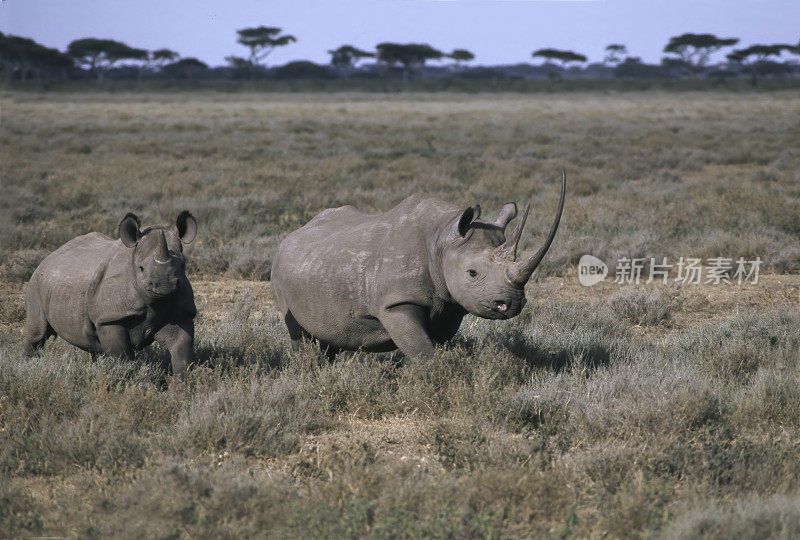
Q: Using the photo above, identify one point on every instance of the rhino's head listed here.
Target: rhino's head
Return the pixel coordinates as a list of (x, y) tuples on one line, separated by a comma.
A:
[(480, 264), (158, 263)]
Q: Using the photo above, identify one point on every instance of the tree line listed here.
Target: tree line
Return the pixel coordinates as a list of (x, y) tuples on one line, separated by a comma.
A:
[(686, 55)]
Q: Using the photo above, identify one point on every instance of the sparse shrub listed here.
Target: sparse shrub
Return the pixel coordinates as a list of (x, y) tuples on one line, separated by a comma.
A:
[(772, 395), (639, 505), (256, 267), (736, 348), (19, 516), (774, 517), (20, 265), (533, 407), (358, 385), (645, 308), (264, 418), (585, 336), (60, 414), (639, 400)]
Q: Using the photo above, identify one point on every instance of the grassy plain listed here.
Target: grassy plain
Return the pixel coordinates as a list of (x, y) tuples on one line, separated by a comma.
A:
[(612, 411)]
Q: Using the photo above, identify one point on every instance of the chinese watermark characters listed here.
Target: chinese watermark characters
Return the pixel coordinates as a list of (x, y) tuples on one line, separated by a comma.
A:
[(688, 271)]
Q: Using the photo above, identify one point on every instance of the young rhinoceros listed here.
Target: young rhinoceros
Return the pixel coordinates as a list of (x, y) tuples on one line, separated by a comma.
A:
[(116, 297), (402, 279)]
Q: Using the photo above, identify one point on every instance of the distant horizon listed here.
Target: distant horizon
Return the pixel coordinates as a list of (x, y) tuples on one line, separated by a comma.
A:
[(497, 32)]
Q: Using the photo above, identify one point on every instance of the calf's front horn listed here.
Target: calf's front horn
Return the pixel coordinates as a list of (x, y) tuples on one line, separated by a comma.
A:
[(521, 272), (162, 252)]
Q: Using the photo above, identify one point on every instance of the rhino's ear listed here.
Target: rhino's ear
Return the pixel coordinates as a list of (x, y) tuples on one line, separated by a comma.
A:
[(129, 230), (470, 214), (187, 227), (507, 213)]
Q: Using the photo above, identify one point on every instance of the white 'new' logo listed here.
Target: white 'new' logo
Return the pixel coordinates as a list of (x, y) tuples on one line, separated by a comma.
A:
[(591, 270)]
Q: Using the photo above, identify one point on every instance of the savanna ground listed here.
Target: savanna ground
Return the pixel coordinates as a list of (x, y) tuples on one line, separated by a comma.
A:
[(657, 410)]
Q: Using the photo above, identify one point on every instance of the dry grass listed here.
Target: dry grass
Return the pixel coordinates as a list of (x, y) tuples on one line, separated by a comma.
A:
[(650, 174), (602, 411)]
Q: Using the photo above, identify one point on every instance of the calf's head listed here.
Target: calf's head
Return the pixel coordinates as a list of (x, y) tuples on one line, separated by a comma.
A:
[(157, 259), (480, 264)]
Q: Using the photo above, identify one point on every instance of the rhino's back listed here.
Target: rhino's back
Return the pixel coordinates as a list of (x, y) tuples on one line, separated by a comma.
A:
[(79, 259), (338, 235), (63, 279), (335, 272), (342, 244)]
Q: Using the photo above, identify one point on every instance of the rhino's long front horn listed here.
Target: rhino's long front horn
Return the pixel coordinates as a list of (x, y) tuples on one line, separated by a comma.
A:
[(521, 272), (162, 252)]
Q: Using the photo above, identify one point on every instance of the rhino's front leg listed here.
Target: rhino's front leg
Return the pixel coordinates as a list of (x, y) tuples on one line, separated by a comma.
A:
[(115, 341), (407, 325), (178, 338)]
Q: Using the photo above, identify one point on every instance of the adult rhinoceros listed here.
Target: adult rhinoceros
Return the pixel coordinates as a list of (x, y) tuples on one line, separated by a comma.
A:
[(116, 296), (402, 279)]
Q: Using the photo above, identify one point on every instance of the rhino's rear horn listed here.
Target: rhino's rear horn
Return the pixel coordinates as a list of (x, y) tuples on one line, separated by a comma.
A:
[(520, 273), (162, 251), (507, 213), (129, 230), (508, 250)]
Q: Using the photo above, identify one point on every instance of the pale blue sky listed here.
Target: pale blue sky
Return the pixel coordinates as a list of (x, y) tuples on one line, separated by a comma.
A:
[(497, 31)]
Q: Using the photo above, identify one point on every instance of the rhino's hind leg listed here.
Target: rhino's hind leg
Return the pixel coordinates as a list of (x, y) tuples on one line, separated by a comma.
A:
[(37, 329), (329, 351), (296, 332)]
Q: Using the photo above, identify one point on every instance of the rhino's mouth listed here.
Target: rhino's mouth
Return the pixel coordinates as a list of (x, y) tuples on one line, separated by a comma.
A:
[(163, 289), (503, 309)]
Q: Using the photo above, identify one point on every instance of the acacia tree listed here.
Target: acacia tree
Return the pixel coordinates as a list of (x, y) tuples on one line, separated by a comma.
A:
[(633, 68), (159, 57), (461, 55), (239, 66), (614, 54), (346, 56), (694, 50), (99, 55), (755, 56), (155, 59), (562, 57), (22, 55), (410, 55), (261, 41), (14, 54), (44, 61), (185, 68)]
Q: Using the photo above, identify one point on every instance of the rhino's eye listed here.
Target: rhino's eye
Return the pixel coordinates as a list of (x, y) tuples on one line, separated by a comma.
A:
[(472, 273), (141, 269)]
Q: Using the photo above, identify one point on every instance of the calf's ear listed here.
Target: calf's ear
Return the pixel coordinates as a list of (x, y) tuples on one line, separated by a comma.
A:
[(187, 227), (129, 230), (470, 214)]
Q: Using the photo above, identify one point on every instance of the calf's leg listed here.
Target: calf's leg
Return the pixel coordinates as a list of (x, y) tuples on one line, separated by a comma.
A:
[(178, 338), (115, 341)]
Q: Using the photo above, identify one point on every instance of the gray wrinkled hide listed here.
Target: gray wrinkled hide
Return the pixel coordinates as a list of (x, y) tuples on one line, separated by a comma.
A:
[(402, 279), (106, 297)]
